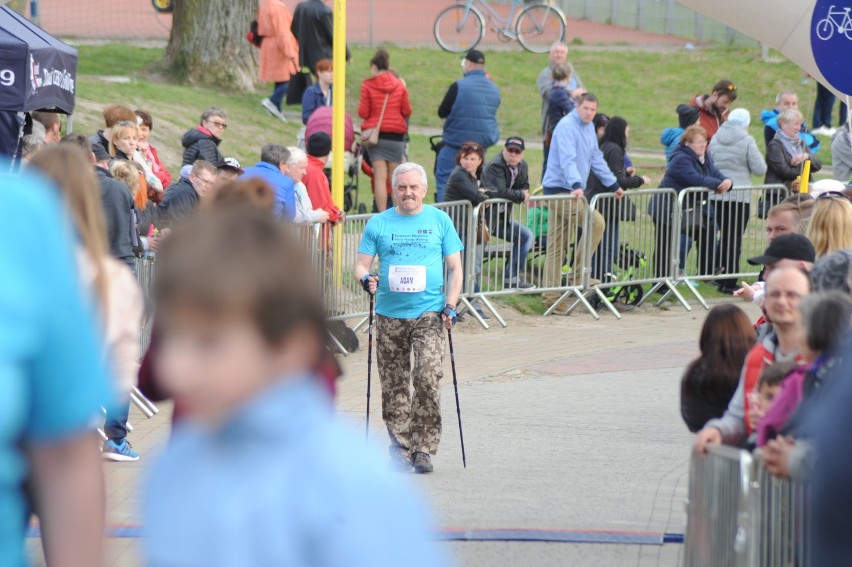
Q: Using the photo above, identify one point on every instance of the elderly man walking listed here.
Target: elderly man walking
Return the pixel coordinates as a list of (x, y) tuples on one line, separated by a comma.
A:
[(414, 243)]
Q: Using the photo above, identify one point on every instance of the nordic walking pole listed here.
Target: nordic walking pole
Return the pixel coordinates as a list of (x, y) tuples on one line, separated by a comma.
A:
[(456, 388), (369, 366)]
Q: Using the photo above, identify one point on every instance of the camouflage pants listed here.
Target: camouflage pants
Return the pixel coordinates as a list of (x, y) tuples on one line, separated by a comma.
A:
[(413, 419)]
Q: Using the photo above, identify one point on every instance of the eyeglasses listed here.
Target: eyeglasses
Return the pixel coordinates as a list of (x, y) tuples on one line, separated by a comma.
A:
[(221, 125), (514, 151), (471, 148)]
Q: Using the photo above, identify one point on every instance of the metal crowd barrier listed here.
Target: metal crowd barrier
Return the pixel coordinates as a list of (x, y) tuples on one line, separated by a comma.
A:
[(738, 514), (636, 256), (718, 233), (514, 253), (146, 273)]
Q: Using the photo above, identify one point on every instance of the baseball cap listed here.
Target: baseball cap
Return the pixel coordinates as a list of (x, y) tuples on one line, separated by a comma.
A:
[(475, 56), (231, 163), (515, 142), (787, 247)]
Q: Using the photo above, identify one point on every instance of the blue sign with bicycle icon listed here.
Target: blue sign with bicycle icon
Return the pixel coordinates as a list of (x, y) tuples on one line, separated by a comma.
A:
[(831, 41)]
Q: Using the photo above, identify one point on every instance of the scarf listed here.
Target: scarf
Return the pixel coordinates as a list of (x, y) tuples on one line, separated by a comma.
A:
[(793, 146)]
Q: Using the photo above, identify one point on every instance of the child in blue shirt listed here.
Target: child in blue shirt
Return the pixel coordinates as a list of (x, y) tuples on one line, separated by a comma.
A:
[(259, 472), (686, 116)]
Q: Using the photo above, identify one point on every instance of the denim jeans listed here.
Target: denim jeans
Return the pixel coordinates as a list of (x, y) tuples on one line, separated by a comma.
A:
[(115, 426), (604, 256), (522, 242), (444, 165), (278, 94)]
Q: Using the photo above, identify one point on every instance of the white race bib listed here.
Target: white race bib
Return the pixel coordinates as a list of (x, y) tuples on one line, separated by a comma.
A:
[(407, 279)]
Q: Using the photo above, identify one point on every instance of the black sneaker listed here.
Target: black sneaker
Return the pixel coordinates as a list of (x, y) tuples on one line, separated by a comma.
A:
[(422, 463)]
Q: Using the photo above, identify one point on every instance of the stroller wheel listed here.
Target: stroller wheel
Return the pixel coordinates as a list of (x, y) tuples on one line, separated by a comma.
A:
[(630, 294)]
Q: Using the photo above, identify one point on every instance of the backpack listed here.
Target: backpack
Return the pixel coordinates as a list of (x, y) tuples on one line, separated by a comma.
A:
[(253, 36)]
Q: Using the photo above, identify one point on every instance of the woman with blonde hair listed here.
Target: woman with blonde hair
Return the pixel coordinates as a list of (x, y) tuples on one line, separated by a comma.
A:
[(124, 144), (112, 283), (830, 226)]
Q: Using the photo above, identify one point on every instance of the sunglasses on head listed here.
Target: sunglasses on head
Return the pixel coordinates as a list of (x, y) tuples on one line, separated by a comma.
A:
[(832, 195), (471, 148)]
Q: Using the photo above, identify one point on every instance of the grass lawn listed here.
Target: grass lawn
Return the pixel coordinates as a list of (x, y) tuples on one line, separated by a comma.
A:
[(643, 86)]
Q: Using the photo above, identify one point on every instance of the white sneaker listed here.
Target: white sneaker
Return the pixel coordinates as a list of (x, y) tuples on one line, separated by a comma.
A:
[(821, 131), (267, 104)]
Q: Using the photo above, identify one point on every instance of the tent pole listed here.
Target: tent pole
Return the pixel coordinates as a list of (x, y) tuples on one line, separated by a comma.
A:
[(69, 125)]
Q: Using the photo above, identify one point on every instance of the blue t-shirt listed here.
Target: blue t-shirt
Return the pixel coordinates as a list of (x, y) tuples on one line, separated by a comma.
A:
[(411, 251), (53, 379), (281, 482)]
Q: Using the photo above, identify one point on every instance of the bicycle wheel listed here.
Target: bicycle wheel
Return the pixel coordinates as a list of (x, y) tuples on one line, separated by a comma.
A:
[(164, 6), (459, 28), (825, 29), (540, 26)]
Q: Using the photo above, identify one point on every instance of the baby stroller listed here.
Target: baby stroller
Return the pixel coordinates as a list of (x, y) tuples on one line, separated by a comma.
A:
[(628, 261)]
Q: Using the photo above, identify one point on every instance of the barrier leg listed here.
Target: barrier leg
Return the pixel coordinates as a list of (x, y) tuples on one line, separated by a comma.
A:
[(471, 311), (607, 303), (558, 301), (697, 295), (493, 311), (142, 398), (337, 344), (581, 299), (141, 405), (360, 324)]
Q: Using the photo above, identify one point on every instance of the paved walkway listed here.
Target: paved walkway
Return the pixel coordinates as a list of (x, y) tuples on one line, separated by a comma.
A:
[(571, 425)]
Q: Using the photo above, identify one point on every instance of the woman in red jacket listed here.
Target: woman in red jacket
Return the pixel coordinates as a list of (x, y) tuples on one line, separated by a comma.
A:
[(383, 90)]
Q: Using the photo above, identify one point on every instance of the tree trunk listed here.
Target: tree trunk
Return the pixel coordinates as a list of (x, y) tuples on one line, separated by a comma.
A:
[(207, 44)]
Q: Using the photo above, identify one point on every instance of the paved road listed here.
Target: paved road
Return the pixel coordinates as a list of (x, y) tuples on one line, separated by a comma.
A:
[(570, 425)]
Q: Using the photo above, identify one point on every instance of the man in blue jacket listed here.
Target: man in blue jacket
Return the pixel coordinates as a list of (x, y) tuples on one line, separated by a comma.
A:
[(470, 108), (270, 168), (574, 152)]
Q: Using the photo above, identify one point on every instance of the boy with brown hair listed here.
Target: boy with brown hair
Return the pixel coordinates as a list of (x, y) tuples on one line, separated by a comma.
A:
[(258, 472)]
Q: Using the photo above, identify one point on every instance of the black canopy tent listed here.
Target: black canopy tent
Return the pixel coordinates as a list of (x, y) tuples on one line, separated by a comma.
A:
[(37, 72)]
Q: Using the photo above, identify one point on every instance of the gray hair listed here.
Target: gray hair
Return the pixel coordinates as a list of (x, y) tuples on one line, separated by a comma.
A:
[(405, 168), (831, 272), (782, 94), (826, 317), (213, 111), (275, 154), (297, 155), (31, 143), (790, 115)]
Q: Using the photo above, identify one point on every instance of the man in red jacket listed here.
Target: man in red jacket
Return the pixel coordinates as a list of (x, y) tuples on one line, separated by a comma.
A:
[(318, 147), (713, 108)]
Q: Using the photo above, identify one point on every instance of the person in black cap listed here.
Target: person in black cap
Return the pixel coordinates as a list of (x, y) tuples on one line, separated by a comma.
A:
[(507, 177), (470, 109), (787, 250), (228, 170)]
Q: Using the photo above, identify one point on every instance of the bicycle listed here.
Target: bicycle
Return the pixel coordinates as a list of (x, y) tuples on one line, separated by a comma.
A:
[(536, 25), (825, 27)]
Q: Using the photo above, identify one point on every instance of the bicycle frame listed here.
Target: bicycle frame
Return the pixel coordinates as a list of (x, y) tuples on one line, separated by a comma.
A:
[(493, 17)]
